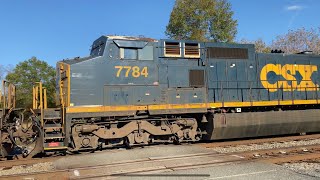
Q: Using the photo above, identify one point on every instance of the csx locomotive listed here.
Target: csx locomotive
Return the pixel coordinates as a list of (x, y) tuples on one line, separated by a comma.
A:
[(136, 90)]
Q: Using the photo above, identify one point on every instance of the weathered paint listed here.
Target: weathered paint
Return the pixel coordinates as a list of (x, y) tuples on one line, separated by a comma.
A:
[(157, 82), (288, 72)]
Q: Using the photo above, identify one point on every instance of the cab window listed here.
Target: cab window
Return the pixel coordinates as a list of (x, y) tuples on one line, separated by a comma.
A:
[(128, 53)]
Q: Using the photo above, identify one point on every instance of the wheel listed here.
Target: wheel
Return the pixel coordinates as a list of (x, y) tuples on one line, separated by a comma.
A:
[(126, 143), (176, 140)]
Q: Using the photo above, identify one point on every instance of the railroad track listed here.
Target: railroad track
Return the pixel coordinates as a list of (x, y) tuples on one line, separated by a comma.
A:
[(7, 164), (263, 155), (10, 163), (259, 141), (153, 165), (27, 162)]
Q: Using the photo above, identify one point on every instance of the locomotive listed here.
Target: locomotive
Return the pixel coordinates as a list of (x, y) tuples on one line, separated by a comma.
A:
[(137, 90)]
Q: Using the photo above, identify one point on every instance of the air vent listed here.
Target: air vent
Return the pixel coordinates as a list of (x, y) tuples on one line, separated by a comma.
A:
[(172, 49), (192, 50), (227, 53), (196, 78)]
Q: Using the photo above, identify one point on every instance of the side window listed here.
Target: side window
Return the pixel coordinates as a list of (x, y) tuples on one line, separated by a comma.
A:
[(128, 53), (137, 54), (146, 53), (98, 49)]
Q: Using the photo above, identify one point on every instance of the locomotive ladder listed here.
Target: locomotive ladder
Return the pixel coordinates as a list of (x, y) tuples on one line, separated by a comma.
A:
[(50, 119)]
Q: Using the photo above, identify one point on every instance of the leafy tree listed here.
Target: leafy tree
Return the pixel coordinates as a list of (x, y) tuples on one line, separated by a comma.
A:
[(25, 74), (299, 40), (203, 20), (259, 44)]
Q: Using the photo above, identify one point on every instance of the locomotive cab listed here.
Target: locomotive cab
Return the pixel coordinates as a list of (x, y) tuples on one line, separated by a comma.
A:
[(114, 62)]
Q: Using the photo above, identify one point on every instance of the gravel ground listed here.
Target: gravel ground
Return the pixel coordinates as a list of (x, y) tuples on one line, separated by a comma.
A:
[(311, 169), (242, 148), (27, 169)]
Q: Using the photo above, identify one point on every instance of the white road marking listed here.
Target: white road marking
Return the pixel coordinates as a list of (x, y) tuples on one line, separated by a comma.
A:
[(238, 156), (246, 174)]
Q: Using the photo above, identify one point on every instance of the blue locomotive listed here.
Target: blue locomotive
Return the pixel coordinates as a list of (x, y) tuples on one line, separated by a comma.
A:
[(140, 90), (137, 90)]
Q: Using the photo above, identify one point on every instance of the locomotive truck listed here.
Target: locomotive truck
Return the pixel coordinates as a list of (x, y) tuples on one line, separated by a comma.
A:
[(137, 90)]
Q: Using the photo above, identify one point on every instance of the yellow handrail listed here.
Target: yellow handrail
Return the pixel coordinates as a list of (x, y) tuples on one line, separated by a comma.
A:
[(39, 99), (45, 104), (61, 86), (39, 94)]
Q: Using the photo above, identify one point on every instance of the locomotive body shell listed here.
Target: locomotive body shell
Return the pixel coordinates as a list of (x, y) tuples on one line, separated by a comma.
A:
[(140, 91), (240, 93)]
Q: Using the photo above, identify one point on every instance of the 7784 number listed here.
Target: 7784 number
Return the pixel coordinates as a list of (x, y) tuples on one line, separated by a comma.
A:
[(133, 71)]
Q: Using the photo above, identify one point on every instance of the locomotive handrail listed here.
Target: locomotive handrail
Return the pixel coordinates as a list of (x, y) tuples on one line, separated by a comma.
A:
[(39, 96), (39, 99)]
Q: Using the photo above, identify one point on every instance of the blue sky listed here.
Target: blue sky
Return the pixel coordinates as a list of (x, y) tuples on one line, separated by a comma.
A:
[(54, 30)]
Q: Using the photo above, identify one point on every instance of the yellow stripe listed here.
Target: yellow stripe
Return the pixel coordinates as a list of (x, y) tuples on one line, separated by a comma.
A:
[(86, 109), (266, 103), (177, 106), (306, 101), (262, 103)]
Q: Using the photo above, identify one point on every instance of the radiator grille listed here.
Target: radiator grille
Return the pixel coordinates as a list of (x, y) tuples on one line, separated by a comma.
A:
[(192, 50), (227, 53), (196, 78), (172, 49)]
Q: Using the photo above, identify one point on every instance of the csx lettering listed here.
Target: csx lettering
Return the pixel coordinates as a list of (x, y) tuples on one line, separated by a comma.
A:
[(133, 71), (288, 72)]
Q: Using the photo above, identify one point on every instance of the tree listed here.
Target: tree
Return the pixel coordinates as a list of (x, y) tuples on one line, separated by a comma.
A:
[(4, 70), (25, 74), (299, 40), (203, 20), (259, 44)]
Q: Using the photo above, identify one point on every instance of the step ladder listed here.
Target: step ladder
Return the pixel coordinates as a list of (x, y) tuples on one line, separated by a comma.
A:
[(53, 130), (51, 119)]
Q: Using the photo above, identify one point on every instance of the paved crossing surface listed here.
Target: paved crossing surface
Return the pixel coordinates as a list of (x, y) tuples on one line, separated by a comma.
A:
[(233, 171)]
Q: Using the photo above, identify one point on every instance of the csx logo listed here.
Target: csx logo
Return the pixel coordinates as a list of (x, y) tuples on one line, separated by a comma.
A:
[(289, 72)]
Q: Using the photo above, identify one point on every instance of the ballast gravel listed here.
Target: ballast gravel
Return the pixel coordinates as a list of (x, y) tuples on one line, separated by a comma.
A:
[(311, 169), (47, 166), (253, 147)]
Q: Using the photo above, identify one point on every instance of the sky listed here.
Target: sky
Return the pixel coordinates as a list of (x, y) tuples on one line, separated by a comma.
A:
[(60, 29)]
